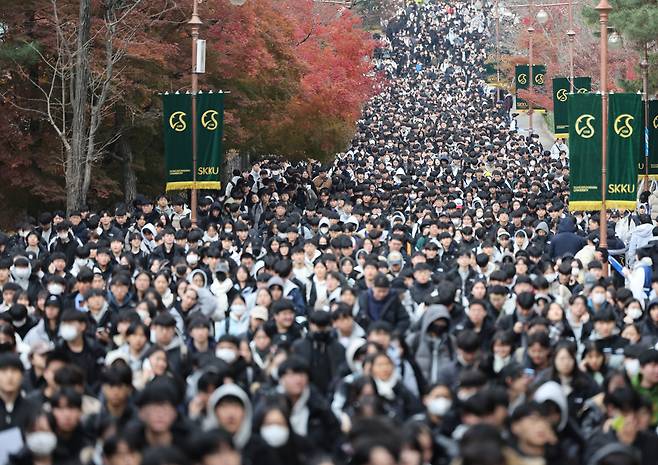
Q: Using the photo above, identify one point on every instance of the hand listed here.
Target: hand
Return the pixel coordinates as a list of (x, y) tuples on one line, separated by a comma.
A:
[(103, 336), (196, 405), (518, 327)]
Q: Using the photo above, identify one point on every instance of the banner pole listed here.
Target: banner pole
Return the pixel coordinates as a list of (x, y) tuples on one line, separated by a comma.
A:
[(644, 64), (195, 22), (604, 9), (571, 33)]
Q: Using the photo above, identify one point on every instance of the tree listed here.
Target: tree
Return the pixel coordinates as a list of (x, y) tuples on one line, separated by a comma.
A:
[(298, 75), (551, 48), (79, 51)]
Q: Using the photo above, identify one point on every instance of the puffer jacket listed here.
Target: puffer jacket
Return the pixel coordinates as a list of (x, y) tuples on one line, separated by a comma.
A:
[(640, 237)]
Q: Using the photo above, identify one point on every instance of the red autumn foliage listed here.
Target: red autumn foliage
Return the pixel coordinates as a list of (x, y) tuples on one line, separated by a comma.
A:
[(298, 74)]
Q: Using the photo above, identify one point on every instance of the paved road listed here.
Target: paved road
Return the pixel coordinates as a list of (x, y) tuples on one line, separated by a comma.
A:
[(539, 126)]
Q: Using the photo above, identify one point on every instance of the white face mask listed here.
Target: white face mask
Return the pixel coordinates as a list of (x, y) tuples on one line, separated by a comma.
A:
[(192, 259), (22, 272), (464, 395), (41, 443), (358, 366), (598, 298), (238, 310), (68, 332), (80, 262), (439, 406), (228, 355), (275, 435), (634, 313), (632, 367), (55, 289)]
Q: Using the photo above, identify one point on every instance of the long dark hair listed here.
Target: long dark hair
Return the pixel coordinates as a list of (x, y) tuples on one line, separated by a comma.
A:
[(579, 380)]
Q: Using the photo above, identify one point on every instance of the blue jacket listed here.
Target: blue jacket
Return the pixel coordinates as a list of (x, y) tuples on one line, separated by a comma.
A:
[(566, 241)]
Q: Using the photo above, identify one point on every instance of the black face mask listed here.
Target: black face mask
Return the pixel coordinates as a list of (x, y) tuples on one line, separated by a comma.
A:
[(181, 269), (321, 336), (437, 329), (6, 347)]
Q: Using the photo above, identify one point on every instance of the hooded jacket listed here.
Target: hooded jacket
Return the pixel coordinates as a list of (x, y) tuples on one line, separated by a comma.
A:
[(552, 391), (639, 238), (242, 435), (566, 240), (432, 352)]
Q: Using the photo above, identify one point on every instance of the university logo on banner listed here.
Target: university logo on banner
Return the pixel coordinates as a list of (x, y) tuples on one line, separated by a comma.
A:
[(624, 146), (561, 92), (522, 82), (624, 149), (584, 111), (177, 119)]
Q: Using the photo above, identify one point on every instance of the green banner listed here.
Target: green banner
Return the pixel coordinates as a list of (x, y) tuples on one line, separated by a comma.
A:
[(584, 151), (625, 134), (177, 119), (650, 143), (210, 130), (522, 82), (561, 91)]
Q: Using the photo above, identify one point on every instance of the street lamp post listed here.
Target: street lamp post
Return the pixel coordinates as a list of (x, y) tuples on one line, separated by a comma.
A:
[(604, 9), (195, 23), (531, 30), (644, 65), (571, 35), (542, 18)]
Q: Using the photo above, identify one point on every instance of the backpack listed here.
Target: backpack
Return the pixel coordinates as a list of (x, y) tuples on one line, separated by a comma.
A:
[(647, 280)]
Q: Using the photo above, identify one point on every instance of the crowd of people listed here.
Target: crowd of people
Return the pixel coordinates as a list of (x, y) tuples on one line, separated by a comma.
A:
[(425, 299)]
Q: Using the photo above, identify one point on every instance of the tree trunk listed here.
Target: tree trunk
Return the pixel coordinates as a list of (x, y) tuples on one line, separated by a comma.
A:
[(76, 159), (129, 177), (125, 154)]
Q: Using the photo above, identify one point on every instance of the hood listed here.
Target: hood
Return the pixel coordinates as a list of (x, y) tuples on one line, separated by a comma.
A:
[(350, 352), (149, 227), (244, 432), (644, 231), (645, 261), (552, 391), (190, 277), (567, 225), (433, 313), (542, 226)]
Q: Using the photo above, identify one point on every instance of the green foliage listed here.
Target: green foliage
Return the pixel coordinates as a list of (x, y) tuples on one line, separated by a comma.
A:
[(24, 54), (637, 22)]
